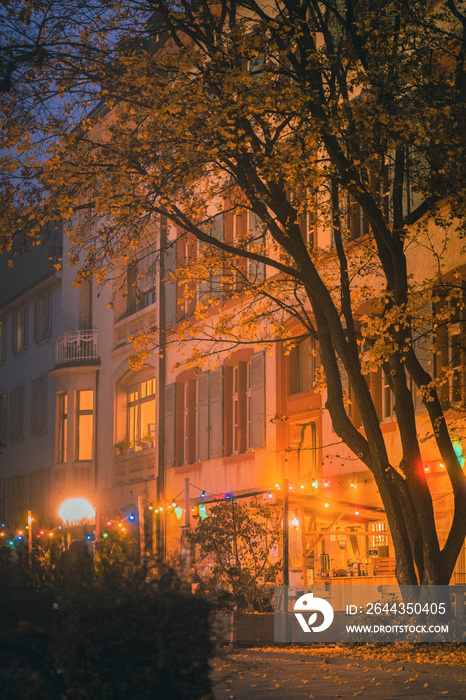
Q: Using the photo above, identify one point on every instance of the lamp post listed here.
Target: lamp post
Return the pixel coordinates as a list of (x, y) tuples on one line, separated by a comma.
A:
[(29, 538)]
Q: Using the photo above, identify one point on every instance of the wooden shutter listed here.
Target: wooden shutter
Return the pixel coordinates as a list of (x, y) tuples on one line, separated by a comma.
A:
[(227, 418), (203, 423), (258, 399), (216, 413), (256, 231), (203, 288), (169, 434), (218, 232), (192, 421), (170, 285)]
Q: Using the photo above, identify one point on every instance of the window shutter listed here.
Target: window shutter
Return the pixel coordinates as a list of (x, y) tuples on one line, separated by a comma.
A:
[(422, 334), (192, 421), (203, 383), (228, 388), (256, 232), (170, 285), (218, 227), (258, 399), (3, 419), (218, 232), (216, 413), (203, 288), (169, 436)]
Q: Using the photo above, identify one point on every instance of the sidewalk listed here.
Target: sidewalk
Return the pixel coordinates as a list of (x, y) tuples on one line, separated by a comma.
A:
[(253, 674)]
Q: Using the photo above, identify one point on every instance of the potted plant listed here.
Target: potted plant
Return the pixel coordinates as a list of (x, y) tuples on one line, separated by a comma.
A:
[(146, 440), (123, 445)]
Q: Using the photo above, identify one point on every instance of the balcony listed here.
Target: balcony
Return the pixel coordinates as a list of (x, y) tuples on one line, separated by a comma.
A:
[(77, 348)]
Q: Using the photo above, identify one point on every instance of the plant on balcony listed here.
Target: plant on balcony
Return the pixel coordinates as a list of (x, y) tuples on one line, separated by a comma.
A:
[(145, 440), (123, 445)]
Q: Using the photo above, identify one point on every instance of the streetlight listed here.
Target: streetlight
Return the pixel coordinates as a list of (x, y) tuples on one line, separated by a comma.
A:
[(76, 510)]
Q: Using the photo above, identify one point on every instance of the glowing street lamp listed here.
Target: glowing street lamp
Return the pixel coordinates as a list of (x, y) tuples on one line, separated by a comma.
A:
[(74, 511)]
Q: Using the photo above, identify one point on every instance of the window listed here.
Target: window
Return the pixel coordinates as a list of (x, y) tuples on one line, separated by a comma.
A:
[(20, 327), (256, 244), (209, 415), (3, 419), (141, 280), (236, 409), (380, 535), (39, 406), (455, 361), (141, 411), (213, 285), (185, 425), (450, 356), (249, 410), (16, 414), (303, 199), (2, 339), (186, 250), (62, 427), (387, 398), (301, 366), (43, 317), (84, 424), (245, 404)]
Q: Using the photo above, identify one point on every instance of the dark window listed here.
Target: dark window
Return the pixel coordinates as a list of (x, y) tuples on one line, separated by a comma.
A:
[(43, 317)]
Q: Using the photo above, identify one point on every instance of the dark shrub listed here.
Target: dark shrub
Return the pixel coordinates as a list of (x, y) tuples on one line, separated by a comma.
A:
[(132, 643)]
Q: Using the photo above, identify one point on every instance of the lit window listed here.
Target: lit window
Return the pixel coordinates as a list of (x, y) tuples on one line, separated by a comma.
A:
[(62, 432), (380, 534), (20, 324), (84, 425), (141, 411), (235, 409)]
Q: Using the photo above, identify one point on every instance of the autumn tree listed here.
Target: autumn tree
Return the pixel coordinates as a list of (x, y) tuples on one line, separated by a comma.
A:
[(341, 110), (234, 543)]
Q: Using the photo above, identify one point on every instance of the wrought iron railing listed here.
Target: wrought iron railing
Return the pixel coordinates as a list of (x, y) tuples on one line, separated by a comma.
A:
[(76, 346)]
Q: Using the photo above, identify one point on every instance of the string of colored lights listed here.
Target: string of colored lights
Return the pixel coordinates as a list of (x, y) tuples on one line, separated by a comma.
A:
[(206, 498)]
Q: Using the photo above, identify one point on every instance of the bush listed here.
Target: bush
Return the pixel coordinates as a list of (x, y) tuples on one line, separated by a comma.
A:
[(134, 643)]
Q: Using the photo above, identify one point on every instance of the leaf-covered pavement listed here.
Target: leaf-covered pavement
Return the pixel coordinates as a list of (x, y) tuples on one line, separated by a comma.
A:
[(301, 674)]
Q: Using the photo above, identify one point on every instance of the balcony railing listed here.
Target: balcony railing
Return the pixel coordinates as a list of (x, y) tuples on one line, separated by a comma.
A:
[(76, 347)]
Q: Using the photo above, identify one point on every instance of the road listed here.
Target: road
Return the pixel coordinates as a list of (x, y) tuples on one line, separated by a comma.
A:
[(253, 674)]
